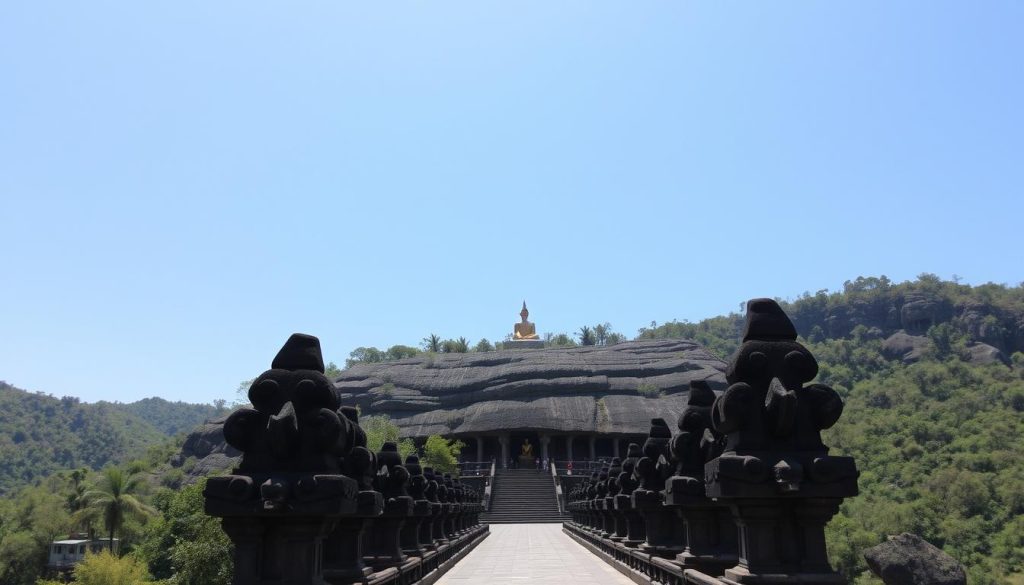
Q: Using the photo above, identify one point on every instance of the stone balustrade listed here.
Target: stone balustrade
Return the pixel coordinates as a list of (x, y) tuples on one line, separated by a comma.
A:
[(741, 493), (310, 504)]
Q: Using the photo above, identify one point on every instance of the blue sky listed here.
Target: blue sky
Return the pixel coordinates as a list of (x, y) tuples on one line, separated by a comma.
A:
[(183, 185)]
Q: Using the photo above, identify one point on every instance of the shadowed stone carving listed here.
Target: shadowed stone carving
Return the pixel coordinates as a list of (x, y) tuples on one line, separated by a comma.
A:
[(288, 491), (412, 544), (383, 547), (710, 533), (775, 472), (627, 483), (664, 535)]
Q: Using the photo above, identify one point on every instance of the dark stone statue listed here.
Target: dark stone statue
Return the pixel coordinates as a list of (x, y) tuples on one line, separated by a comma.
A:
[(710, 533), (308, 496), (775, 472), (383, 547), (664, 535), (741, 494), (623, 500), (412, 543), (288, 492)]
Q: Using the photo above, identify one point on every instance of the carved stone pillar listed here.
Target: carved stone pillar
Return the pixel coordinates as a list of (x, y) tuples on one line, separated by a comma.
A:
[(479, 448), (593, 447), (568, 446), (290, 489), (503, 439), (615, 447), (544, 441), (774, 473)]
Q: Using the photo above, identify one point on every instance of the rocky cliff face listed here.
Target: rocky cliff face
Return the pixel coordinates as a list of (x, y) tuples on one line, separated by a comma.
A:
[(608, 389), (605, 388)]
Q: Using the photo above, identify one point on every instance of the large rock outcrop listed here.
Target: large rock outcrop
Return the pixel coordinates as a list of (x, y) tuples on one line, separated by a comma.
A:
[(603, 389), (207, 446), (905, 347), (607, 389), (908, 559)]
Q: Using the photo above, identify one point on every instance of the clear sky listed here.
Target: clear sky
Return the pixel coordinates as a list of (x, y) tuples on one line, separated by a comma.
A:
[(185, 184)]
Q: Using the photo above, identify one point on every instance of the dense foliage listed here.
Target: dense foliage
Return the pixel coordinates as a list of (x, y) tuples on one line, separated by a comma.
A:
[(42, 434), (172, 418), (437, 452), (939, 442), (108, 569), (183, 545)]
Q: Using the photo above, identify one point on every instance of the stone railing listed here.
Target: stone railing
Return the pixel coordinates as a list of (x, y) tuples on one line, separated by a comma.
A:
[(741, 493), (581, 467), (559, 496), (309, 503), (489, 487), (474, 468)]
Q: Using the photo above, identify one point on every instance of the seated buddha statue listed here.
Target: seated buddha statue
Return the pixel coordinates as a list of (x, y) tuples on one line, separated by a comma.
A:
[(527, 449), (525, 329)]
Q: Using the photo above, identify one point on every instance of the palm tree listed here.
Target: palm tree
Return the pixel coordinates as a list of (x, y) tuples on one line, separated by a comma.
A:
[(114, 499), (586, 336), (432, 343), (77, 503)]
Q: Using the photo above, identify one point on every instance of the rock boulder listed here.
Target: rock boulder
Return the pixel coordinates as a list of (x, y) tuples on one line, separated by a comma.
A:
[(902, 346), (908, 559)]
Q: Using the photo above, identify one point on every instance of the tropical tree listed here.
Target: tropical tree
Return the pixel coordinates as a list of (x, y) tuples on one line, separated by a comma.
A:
[(362, 355), (380, 429), (399, 352), (559, 340), (432, 343), (114, 499), (587, 336), (184, 546), (441, 454), (483, 345)]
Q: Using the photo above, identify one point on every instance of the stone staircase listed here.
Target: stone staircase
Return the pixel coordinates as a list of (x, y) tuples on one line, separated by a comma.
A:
[(521, 496)]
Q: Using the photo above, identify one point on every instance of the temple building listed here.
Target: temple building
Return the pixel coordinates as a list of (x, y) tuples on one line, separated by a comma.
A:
[(567, 403)]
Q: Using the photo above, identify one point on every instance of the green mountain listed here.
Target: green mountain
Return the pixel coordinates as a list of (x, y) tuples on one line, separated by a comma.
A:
[(932, 374), (41, 434), (170, 418)]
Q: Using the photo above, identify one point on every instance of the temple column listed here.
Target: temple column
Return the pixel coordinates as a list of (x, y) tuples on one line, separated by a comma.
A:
[(544, 441), (568, 446), (503, 439), (593, 447), (479, 448), (615, 447)]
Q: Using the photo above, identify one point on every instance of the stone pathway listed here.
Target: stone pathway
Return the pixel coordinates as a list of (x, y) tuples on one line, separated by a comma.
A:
[(531, 554)]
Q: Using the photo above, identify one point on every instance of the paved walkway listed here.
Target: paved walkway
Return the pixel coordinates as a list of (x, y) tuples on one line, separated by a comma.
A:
[(531, 554)]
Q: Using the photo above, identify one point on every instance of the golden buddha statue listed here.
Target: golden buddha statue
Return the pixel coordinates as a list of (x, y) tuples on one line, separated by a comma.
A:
[(525, 329), (527, 449)]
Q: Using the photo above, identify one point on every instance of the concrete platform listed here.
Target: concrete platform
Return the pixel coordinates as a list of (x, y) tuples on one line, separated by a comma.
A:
[(531, 554)]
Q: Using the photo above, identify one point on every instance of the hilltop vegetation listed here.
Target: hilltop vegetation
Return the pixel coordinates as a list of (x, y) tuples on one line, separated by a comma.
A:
[(172, 418), (43, 434), (938, 435)]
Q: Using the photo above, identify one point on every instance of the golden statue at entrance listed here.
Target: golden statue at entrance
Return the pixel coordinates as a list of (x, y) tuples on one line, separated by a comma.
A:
[(527, 449), (525, 329)]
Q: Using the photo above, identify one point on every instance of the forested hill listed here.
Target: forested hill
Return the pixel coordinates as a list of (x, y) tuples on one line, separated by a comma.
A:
[(41, 434), (932, 374), (950, 314), (168, 417)]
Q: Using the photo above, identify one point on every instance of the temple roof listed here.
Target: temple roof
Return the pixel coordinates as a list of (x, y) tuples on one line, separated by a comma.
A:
[(556, 389)]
